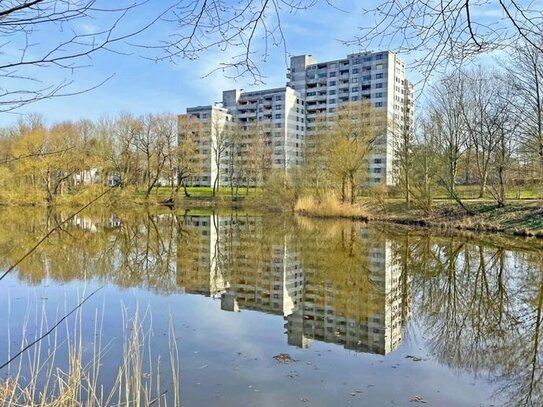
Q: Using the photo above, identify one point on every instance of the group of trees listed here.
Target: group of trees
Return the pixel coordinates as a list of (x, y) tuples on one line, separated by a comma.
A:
[(232, 154), (337, 152), (126, 151), (482, 126)]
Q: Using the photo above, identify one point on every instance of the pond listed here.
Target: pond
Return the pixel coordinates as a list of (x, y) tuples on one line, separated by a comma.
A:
[(228, 309)]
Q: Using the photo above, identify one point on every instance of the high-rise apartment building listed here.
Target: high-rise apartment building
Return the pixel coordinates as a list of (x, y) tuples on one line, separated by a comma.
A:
[(376, 77), (282, 117), (273, 117), (213, 121), (280, 112)]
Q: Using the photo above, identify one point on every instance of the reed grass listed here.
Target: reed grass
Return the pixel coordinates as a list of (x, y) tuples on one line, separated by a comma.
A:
[(329, 207), (59, 372)]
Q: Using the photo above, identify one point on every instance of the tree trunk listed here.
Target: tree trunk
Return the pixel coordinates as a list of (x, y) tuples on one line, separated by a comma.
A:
[(482, 187), (353, 188)]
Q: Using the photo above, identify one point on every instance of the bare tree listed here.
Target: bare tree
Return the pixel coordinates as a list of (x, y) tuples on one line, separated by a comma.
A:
[(404, 155), (258, 160), (346, 144), (188, 160), (482, 112), (526, 77), (446, 111), (24, 25), (219, 141), (248, 28), (448, 33), (424, 164)]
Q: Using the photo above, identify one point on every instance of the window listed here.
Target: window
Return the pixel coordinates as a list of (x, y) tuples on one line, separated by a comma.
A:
[(332, 92), (332, 101), (366, 77), (332, 110), (378, 104), (356, 70), (379, 56), (278, 97), (378, 160), (332, 83), (278, 116), (379, 76), (355, 89), (278, 107), (379, 85), (354, 98), (379, 95), (379, 66), (278, 125), (354, 80), (333, 74), (377, 170), (311, 94)]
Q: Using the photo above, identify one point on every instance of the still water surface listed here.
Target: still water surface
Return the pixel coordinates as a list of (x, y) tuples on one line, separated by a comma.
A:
[(366, 315)]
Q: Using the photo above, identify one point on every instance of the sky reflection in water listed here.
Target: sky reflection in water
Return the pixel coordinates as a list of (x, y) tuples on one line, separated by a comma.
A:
[(371, 316)]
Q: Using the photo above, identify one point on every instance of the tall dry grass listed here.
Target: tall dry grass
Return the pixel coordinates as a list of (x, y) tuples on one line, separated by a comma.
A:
[(43, 378), (330, 207)]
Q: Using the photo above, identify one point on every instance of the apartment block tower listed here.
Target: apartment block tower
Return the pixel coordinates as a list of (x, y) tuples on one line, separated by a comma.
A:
[(275, 117), (377, 77), (211, 121)]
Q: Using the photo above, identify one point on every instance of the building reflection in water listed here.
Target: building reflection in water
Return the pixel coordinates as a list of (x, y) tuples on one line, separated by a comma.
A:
[(237, 260)]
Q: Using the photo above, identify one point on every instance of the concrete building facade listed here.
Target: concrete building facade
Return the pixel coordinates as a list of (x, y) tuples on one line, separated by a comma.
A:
[(273, 117), (376, 77), (283, 117), (213, 121)]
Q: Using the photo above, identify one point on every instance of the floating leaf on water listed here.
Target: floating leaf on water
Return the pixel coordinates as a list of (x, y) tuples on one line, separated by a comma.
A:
[(284, 358)]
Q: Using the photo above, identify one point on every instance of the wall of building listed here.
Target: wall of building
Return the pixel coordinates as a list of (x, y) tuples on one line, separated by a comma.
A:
[(284, 116), (377, 77)]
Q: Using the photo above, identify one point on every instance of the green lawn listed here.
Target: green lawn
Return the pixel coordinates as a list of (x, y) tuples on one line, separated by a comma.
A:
[(203, 192)]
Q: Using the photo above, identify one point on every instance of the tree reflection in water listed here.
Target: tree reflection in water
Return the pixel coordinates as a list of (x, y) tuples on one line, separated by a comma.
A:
[(478, 300)]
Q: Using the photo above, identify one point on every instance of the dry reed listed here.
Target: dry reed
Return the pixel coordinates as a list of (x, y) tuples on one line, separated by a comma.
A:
[(39, 378), (330, 207)]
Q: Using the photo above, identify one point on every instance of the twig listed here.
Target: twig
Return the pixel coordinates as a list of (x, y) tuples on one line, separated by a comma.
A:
[(46, 236), (50, 330)]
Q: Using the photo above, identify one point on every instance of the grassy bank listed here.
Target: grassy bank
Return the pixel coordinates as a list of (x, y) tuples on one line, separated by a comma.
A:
[(521, 217), (518, 217)]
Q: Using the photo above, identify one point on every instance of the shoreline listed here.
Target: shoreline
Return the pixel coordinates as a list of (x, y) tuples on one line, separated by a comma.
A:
[(520, 218), (525, 220)]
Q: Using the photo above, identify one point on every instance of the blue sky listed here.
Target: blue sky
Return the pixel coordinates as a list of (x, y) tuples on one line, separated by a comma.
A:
[(141, 86)]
